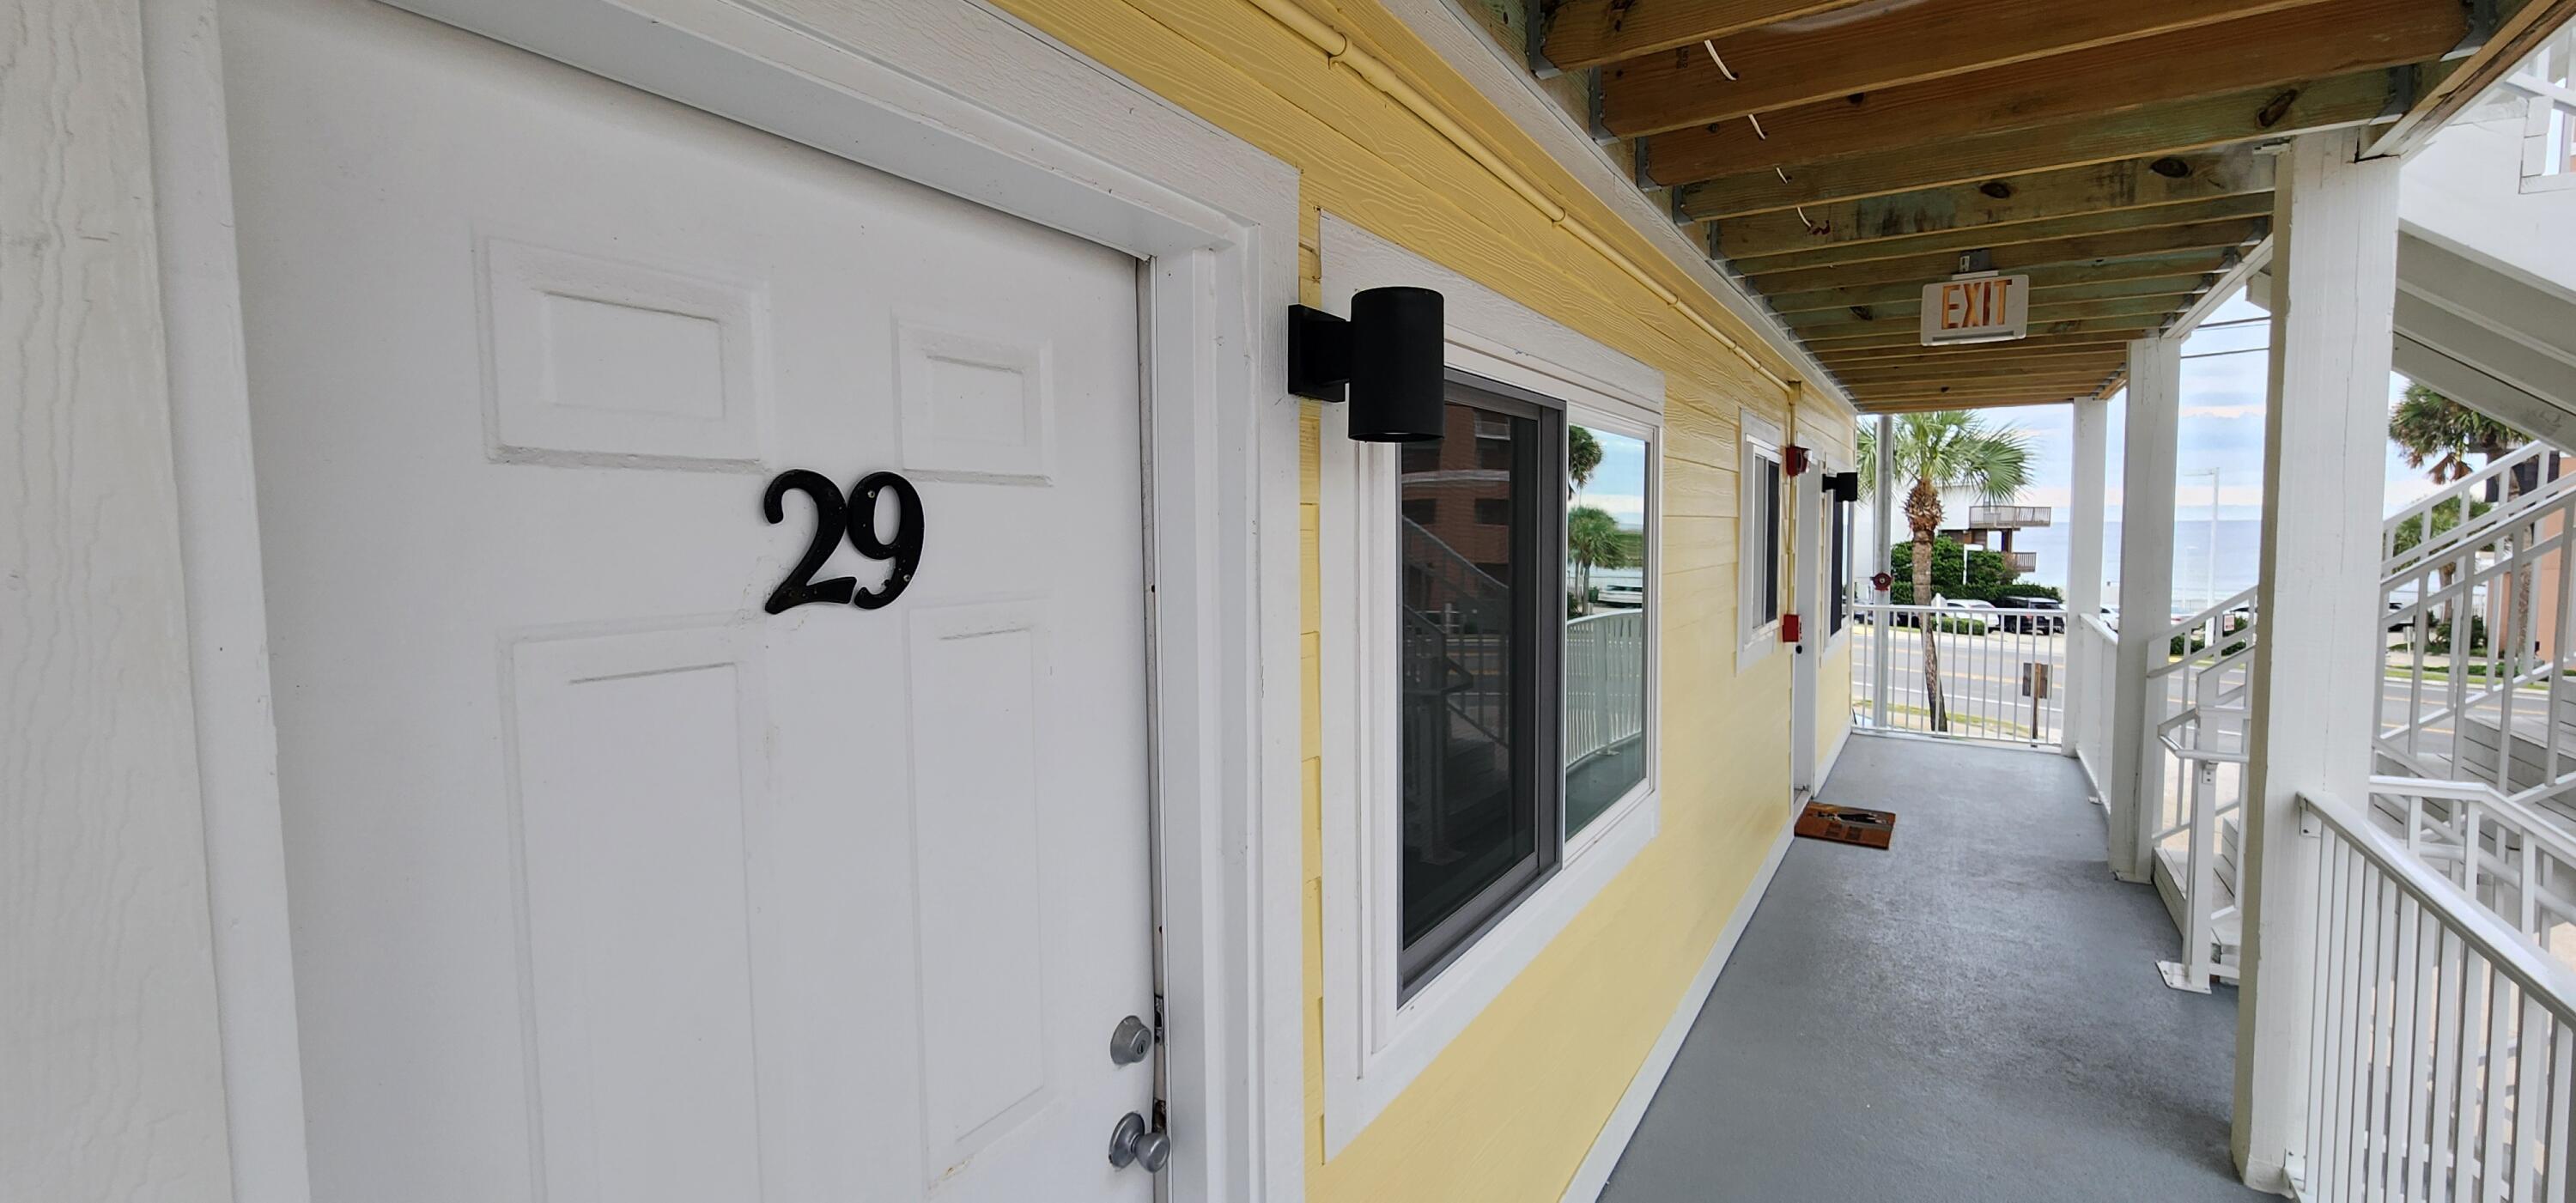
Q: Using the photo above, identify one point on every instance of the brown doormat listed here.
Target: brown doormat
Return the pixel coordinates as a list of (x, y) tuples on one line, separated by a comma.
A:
[(1847, 825)]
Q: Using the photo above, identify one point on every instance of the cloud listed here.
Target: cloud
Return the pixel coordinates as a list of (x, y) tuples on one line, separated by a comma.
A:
[(2224, 413)]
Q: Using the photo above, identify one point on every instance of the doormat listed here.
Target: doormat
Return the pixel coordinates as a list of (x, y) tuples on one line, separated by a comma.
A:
[(1847, 825)]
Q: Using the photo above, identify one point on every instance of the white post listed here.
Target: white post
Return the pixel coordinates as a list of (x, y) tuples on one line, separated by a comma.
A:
[(2084, 555), (2146, 597), (1882, 521), (1806, 493), (112, 1041), (2316, 668)]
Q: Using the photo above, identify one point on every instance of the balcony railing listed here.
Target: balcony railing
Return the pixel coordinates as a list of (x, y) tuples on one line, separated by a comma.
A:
[(1605, 684), (2001, 517), (2442, 1045), (2001, 674)]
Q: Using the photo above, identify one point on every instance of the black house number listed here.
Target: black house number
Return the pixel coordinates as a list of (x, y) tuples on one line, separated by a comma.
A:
[(854, 519)]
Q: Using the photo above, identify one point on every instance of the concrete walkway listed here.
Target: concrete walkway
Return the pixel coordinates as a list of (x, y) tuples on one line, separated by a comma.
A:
[(1973, 1015)]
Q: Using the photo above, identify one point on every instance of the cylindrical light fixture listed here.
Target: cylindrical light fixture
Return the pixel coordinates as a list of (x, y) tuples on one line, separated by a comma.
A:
[(1388, 359), (1397, 377)]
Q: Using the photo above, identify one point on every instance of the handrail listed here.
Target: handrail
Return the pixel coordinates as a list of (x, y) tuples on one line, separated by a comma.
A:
[(2242, 598), (2546, 982), (2462, 487), (2524, 511), (2101, 628), (2529, 823)]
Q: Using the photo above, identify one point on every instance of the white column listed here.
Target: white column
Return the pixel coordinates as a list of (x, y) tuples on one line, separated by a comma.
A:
[(2146, 595), (109, 1032), (2090, 474), (1882, 520), (2316, 668)]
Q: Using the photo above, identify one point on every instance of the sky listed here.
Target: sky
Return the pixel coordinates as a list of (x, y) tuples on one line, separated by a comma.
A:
[(2221, 427)]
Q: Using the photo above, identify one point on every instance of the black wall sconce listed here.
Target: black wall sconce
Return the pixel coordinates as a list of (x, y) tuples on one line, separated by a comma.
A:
[(1388, 357), (1843, 486)]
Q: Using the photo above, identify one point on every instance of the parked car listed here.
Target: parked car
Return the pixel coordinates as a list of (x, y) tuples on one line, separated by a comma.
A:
[(1623, 595), (2032, 615)]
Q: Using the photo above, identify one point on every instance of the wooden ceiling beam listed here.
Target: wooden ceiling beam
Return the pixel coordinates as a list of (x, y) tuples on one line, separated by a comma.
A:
[(2065, 388), (2099, 368), (1588, 33), (1951, 242), (1916, 407), (2312, 42), (1835, 356), (2098, 364), (2043, 307), (1940, 265), (2185, 271), (2125, 326), (2124, 184), (1887, 45), (2159, 129), (2039, 315), (2522, 26), (2040, 360)]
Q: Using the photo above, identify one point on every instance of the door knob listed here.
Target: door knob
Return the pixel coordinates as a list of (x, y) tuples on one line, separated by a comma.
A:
[(1132, 1142), (1131, 1042)]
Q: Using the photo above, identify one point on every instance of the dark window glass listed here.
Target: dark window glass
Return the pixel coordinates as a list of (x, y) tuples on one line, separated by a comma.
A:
[(1422, 509), (1479, 817), (1770, 493)]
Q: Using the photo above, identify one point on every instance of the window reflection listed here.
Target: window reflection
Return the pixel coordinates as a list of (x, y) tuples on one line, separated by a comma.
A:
[(1470, 513), (1605, 626)]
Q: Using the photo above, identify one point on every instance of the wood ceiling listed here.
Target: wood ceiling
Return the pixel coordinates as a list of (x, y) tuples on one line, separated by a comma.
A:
[(1837, 155)]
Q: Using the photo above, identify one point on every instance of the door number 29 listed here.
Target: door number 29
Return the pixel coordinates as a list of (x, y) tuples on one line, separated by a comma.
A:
[(854, 519)]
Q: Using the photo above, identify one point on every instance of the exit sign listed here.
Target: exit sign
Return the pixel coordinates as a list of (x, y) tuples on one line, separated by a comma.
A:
[(1976, 309)]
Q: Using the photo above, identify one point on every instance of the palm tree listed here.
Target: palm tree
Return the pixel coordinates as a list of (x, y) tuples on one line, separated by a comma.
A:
[(1950, 449), (1592, 537), (2429, 428)]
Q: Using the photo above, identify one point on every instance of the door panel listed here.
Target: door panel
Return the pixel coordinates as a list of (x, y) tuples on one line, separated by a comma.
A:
[(607, 885)]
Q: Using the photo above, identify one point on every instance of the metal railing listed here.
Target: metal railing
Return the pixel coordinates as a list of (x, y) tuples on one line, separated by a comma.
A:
[(2512, 860), (1996, 517), (1999, 676), (2442, 1047), (1605, 682)]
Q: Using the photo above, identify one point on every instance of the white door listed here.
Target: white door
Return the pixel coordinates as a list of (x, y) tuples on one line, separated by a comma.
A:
[(609, 886)]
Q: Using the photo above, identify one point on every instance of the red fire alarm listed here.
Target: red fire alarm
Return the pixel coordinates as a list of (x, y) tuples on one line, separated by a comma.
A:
[(1793, 460), (1882, 582), (1789, 629)]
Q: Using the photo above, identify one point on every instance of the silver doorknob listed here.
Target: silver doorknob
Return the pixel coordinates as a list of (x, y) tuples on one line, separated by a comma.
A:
[(1131, 1142), (1131, 1042)]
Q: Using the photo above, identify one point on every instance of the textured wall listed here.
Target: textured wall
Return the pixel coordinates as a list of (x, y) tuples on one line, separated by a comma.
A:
[(111, 1085)]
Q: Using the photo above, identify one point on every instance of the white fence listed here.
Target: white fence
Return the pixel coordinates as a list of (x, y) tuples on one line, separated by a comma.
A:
[(2000, 675), (2093, 667), (1605, 682), (2442, 1047)]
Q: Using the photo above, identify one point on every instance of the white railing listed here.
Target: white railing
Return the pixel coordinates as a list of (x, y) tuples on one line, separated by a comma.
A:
[(2191, 777), (2093, 663), (2549, 116), (2479, 624), (2442, 1047), (1605, 683), (2514, 861), (2001, 673)]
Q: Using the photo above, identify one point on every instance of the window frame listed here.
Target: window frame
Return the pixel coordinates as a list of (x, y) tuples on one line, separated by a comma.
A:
[(1760, 441), (1540, 586), (1375, 1043)]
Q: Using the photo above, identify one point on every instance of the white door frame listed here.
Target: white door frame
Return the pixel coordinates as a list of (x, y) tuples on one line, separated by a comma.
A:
[(1809, 598), (965, 99)]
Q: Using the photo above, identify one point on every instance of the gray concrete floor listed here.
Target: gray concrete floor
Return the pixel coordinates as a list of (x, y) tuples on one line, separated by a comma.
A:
[(1972, 1015)]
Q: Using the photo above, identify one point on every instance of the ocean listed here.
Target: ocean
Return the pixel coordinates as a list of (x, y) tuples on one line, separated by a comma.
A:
[(2196, 573)]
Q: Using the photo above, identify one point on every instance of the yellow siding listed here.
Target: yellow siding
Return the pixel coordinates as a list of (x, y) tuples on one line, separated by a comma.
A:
[(1509, 1110)]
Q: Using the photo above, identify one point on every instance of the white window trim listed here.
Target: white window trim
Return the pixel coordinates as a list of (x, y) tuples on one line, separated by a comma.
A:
[(1829, 462), (1757, 436), (1375, 1046)]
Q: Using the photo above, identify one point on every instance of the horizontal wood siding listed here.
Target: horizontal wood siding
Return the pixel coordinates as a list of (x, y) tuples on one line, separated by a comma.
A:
[(1510, 1109)]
